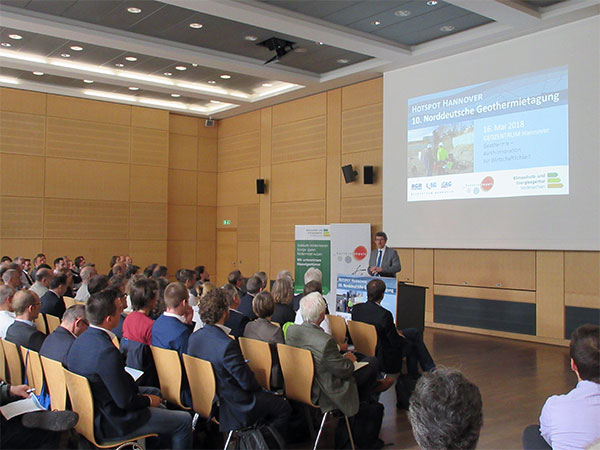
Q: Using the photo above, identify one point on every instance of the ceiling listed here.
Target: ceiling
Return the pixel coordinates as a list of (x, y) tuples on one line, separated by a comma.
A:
[(201, 57)]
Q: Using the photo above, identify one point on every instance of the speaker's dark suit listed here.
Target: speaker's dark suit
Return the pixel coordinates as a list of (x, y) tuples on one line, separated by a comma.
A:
[(246, 306), (237, 322), (389, 342), (242, 401), (56, 346), (119, 408), (53, 304), (390, 262), (25, 335)]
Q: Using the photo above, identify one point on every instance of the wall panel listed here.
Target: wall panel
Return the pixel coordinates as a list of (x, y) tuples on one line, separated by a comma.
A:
[(282, 257), (182, 223), (582, 279), (148, 221), (305, 139), (22, 133), (91, 110), (206, 256), (237, 187), (300, 180), (363, 210), (183, 151), (359, 161), (301, 109), (183, 187), (21, 175), (151, 119), (239, 151), (207, 189), (149, 147), (242, 124), (21, 217), (284, 216), (206, 223), (362, 94), (95, 251), (148, 252), (361, 129), (20, 101), (248, 223), (207, 154), (149, 184)]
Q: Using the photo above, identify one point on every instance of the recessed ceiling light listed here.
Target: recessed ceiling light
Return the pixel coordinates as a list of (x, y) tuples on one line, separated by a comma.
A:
[(65, 55), (194, 65), (447, 28), (343, 61), (180, 67), (319, 43), (267, 84), (196, 25), (300, 50), (225, 76), (402, 13), (16, 37), (119, 65), (134, 10), (6, 44), (251, 38), (39, 74), (76, 48), (216, 101), (167, 74), (376, 22), (212, 82), (175, 95), (131, 58), (432, 2), (133, 88), (88, 81)]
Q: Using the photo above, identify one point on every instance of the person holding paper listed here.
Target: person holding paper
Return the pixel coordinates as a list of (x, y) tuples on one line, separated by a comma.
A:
[(384, 261)]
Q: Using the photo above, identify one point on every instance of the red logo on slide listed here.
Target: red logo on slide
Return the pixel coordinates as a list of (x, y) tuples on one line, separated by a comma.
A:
[(360, 253), (487, 183)]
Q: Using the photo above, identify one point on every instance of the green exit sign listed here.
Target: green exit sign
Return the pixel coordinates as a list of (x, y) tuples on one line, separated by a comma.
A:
[(226, 222)]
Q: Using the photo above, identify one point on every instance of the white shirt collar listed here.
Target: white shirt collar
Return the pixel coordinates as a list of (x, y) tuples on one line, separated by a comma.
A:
[(110, 333), (28, 322), (177, 316), (227, 330)]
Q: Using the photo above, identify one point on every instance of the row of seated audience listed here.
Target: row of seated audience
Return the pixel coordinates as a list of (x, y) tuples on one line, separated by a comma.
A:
[(194, 317)]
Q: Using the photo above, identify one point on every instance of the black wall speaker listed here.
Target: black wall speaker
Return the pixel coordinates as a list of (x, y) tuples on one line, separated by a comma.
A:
[(349, 173), (368, 175), (260, 186)]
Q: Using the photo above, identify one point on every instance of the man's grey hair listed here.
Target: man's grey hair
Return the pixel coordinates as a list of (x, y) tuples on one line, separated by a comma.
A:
[(6, 276), (73, 313), (6, 292), (445, 411), (42, 274), (313, 274), (88, 272), (230, 292), (312, 306), (284, 274)]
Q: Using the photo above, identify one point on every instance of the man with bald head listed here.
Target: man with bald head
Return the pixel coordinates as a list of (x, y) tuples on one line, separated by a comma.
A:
[(42, 282), (86, 273), (12, 278), (57, 345), (23, 332), (7, 315)]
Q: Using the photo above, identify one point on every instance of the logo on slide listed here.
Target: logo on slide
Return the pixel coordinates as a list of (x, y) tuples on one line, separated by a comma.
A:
[(360, 252), (487, 183)]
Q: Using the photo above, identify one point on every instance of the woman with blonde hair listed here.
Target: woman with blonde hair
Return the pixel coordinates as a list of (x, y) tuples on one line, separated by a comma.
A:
[(283, 293)]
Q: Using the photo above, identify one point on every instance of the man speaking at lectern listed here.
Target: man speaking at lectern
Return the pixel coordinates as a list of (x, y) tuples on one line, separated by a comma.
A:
[(384, 261)]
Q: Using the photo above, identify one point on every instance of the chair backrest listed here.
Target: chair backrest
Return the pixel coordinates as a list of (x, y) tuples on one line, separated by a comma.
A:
[(53, 322), (13, 361), (298, 372), (258, 355), (168, 367), (82, 403), (69, 301), (364, 337), (277, 324), (2, 365), (338, 328), (34, 371), (202, 384), (40, 323), (55, 380)]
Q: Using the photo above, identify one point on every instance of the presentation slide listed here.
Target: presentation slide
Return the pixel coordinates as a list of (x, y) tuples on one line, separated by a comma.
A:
[(502, 138)]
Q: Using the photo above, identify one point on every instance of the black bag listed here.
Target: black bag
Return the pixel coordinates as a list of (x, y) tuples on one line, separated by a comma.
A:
[(405, 385), (365, 425), (263, 437)]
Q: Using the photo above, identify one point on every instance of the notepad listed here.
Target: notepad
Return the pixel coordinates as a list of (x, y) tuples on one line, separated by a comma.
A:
[(135, 373), (19, 407)]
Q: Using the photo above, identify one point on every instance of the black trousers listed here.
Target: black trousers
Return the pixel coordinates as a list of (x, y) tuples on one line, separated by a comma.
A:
[(533, 440)]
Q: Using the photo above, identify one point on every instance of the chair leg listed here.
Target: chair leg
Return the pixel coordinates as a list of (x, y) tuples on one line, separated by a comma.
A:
[(350, 432), (228, 439), (309, 419), (320, 430)]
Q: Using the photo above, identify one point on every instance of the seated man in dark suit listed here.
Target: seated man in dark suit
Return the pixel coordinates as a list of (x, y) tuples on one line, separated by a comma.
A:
[(52, 301), (57, 345), (237, 321), (121, 410), (26, 305), (253, 286), (174, 327), (242, 400), (392, 343)]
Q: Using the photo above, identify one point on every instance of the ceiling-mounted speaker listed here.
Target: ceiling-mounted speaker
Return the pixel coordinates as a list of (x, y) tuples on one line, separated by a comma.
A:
[(281, 47), (209, 123), (349, 173), (368, 175), (260, 186)]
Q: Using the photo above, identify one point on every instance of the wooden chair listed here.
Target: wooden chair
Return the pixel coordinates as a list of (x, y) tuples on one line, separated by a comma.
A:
[(202, 384), (277, 324), (33, 369), (69, 301), (55, 380), (338, 328), (168, 367), (2, 365), (364, 337), (40, 323), (258, 355), (298, 372), (53, 322), (83, 404), (13, 362)]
